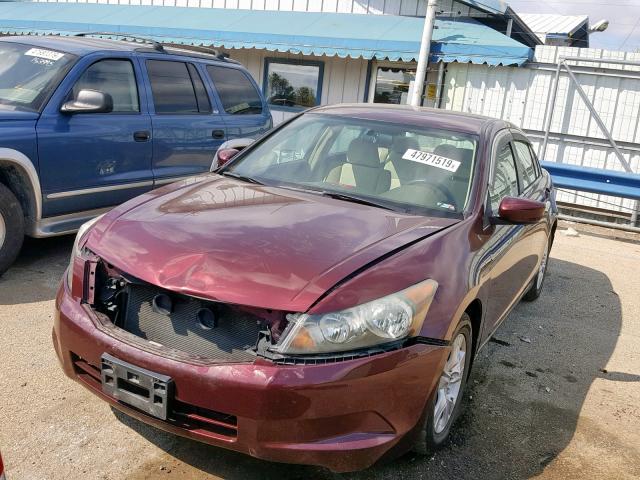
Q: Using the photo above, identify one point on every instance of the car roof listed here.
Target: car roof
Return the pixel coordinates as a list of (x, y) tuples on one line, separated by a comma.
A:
[(416, 116), (88, 44)]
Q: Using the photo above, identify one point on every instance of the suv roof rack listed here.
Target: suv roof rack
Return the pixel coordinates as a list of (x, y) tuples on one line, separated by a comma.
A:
[(156, 45), (159, 47), (203, 49)]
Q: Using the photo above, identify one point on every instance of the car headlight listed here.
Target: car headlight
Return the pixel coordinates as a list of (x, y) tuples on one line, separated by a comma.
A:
[(82, 231), (384, 320)]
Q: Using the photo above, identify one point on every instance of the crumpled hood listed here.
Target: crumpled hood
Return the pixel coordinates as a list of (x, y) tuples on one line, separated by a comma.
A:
[(235, 242)]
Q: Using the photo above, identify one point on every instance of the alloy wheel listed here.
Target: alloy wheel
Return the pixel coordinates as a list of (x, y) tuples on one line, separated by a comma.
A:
[(450, 384), (3, 230), (543, 268)]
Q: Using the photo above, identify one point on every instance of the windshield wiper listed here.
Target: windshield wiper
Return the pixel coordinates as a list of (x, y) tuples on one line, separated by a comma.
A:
[(355, 199), (237, 176)]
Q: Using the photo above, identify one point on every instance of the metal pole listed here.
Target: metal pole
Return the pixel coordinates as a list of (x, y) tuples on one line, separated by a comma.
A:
[(550, 105), (440, 84), (509, 27), (423, 59)]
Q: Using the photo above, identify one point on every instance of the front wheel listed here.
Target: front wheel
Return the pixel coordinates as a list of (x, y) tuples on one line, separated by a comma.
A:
[(11, 228), (443, 407)]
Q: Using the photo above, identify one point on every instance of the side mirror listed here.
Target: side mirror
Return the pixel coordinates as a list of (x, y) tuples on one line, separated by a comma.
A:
[(519, 210), (89, 101), (225, 155)]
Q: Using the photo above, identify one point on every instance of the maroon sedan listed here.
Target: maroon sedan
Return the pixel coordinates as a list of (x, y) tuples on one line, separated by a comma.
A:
[(321, 297)]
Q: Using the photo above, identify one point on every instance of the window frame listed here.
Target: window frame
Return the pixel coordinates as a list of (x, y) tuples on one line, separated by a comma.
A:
[(503, 138), (290, 61), (186, 63), (67, 95), (524, 189)]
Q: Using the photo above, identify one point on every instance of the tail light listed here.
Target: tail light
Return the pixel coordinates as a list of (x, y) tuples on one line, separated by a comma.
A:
[(2, 477)]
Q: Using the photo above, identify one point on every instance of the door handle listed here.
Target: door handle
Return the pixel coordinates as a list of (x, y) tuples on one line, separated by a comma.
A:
[(218, 134), (142, 136)]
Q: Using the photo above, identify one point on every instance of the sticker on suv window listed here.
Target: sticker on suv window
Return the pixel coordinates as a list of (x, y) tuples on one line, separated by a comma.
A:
[(47, 54), (432, 160)]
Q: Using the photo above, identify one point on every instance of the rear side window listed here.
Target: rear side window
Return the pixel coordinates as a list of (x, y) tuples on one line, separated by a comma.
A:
[(526, 164), (174, 89), (112, 77), (237, 93), (505, 179)]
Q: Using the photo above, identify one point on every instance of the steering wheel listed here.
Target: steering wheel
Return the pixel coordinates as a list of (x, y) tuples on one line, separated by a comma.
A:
[(439, 190)]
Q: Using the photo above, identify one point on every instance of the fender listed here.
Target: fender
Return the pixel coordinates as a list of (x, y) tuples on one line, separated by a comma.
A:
[(23, 162)]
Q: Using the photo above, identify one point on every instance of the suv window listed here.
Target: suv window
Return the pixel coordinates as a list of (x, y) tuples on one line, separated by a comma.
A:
[(237, 93), (113, 77), (173, 88), (505, 179), (526, 168)]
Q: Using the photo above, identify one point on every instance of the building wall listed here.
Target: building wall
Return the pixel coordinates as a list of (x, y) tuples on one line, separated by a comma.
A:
[(387, 7), (521, 95), (344, 81)]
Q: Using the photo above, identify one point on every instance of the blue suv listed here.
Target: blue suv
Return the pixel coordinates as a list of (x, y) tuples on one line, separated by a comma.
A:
[(87, 123)]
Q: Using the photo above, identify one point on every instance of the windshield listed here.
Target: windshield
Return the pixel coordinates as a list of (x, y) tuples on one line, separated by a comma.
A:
[(29, 74), (395, 166)]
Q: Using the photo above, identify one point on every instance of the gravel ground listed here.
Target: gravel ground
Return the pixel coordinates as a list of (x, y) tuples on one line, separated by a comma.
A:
[(556, 394)]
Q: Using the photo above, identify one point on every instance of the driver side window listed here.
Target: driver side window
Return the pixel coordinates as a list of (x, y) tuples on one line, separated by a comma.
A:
[(505, 178), (112, 77)]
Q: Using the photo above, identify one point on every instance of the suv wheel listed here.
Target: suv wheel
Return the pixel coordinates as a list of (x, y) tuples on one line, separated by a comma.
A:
[(11, 228)]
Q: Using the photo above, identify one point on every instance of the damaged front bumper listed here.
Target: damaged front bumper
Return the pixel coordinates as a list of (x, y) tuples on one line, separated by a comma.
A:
[(343, 415)]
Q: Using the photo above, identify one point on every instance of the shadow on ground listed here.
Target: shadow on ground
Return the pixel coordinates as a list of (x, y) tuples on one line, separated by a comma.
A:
[(521, 409), (35, 275)]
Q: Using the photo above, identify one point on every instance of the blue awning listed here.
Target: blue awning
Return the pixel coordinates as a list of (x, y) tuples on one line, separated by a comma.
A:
[(331, 34)]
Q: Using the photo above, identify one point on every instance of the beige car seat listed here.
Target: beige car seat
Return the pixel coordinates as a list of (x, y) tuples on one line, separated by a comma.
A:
[(363, 170)]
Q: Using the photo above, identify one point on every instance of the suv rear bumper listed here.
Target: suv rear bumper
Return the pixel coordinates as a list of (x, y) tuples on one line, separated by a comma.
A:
[(343, 416)]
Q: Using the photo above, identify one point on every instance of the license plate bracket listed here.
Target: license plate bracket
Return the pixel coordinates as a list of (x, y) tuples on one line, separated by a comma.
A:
[(143, 389)]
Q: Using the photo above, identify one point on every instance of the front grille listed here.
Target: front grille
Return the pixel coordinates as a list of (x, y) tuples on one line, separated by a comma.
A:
[(179, 325)]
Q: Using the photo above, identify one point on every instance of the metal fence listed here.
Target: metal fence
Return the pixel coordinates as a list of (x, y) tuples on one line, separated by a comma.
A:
[(584, 103)]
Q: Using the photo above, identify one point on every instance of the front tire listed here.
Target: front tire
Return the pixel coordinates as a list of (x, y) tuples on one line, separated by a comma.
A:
[(444, 405), (11, 228)]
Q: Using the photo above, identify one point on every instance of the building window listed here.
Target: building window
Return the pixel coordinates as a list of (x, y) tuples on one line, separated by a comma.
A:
[(293, 84), (392, 85)]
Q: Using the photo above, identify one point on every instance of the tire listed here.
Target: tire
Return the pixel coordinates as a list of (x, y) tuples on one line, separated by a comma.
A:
[(538, 282), (11, 228), (435, 431)]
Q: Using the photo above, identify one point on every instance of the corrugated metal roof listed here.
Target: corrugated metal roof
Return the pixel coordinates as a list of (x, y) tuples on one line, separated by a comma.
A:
[(344, 35), (492, 6), (544, 24)]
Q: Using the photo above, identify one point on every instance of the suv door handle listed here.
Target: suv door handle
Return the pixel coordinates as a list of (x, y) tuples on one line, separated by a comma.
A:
[(218, 134), (142, 136)]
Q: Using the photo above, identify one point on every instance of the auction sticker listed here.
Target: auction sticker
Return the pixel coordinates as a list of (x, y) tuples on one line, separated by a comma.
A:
[(41, 53), (432, 160)]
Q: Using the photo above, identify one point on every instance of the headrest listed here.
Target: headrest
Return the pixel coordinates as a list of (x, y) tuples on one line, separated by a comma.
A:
[(449, 151), (362, 152), (401, 144)]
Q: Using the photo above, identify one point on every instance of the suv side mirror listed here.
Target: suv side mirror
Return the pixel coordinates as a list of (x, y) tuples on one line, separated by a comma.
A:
[(519, 210), (89, 101)]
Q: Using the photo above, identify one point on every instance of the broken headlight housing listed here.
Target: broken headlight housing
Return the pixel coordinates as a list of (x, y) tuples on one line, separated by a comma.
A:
[(75, 252), (387, 319)]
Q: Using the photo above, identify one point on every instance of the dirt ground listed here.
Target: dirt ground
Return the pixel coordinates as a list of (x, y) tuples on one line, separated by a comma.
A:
[(556, 394)]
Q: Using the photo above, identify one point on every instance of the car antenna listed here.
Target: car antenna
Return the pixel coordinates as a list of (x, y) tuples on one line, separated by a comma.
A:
[(156, 45)]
